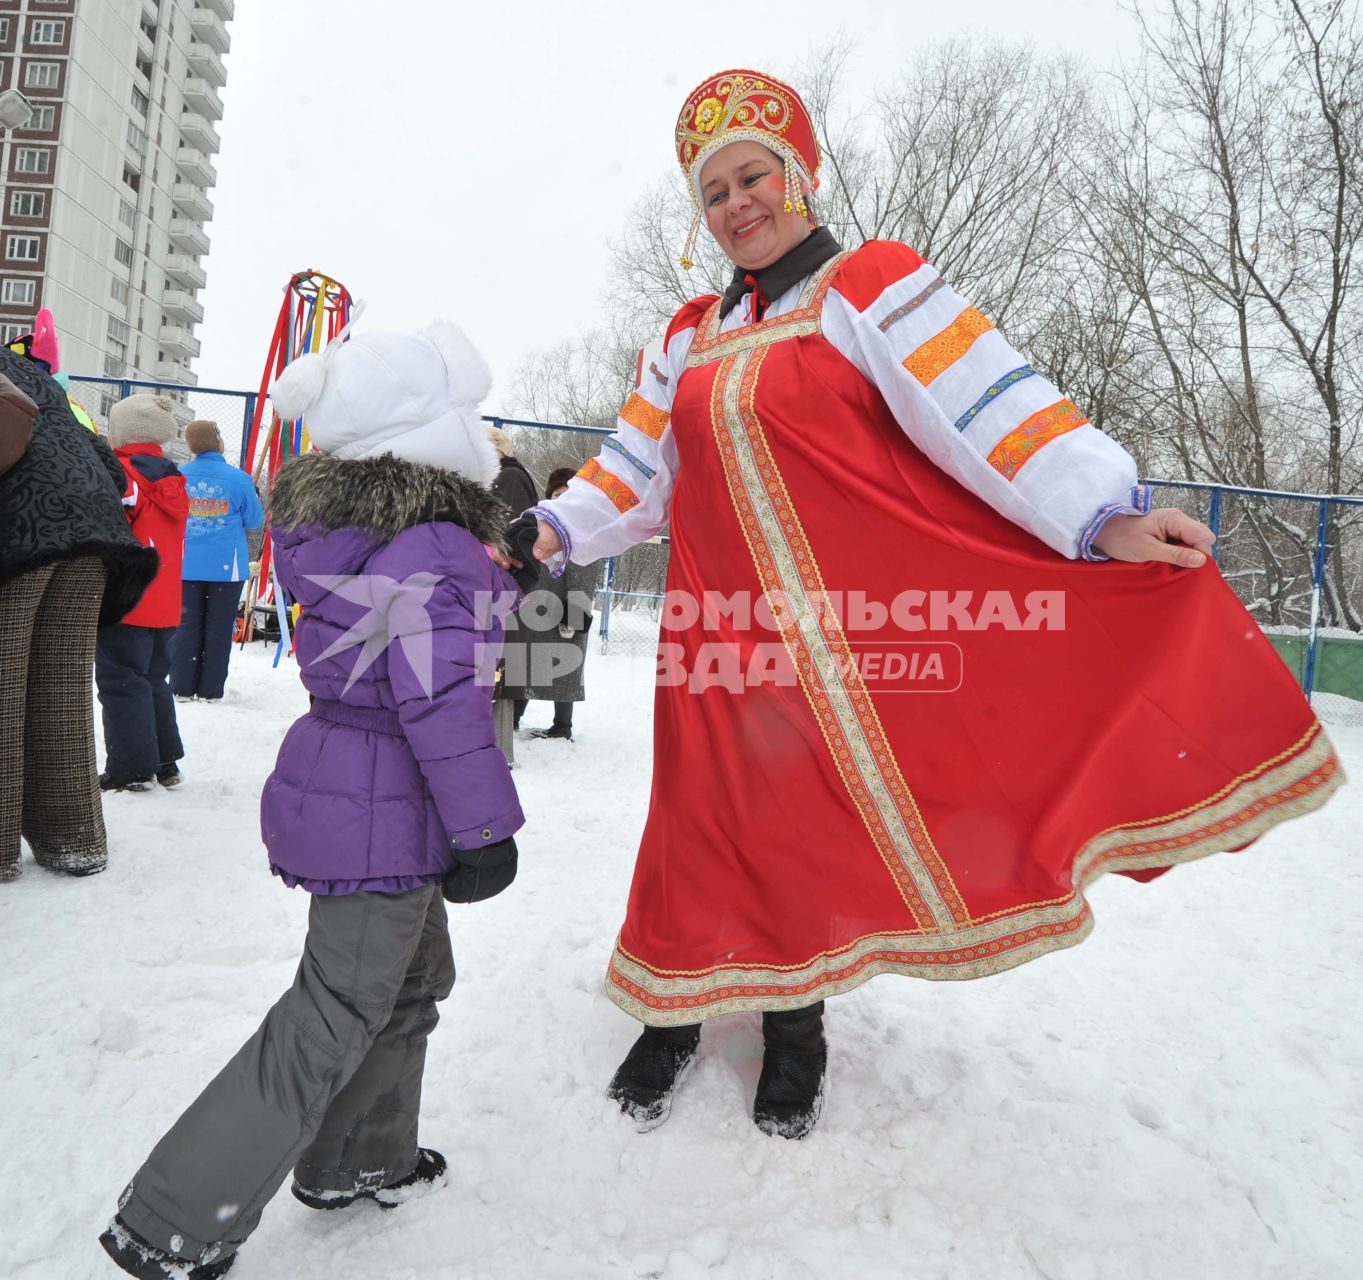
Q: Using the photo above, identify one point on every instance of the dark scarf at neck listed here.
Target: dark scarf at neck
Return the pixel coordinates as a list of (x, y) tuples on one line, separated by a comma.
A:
[(771, 282)]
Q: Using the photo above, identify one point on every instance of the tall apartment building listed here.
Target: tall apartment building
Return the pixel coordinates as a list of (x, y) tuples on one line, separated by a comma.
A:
[(105, 192)]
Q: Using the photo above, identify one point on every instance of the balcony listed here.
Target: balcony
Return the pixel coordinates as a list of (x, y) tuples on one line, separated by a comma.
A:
[(188, 237), (208, 29), (169, 371), (190, 200), (204, 62), (182, 306), (225, 9), (146, 50), (181, 268), (196, 167), (198, 131), (177, 341), (200, 96)]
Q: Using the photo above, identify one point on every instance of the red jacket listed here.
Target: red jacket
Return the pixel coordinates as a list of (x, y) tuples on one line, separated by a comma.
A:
[(157, 508)]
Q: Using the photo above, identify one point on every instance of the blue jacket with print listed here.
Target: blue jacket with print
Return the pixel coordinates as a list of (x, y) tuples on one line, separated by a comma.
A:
[(222, 506)]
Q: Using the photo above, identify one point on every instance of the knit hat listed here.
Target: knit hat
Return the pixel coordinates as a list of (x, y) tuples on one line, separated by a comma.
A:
[(40, 345), (141, 419), (202, 435), (415, 396)]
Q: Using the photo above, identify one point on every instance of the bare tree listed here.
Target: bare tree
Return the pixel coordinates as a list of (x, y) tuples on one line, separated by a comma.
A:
[(1174, 244), (1229, 211)]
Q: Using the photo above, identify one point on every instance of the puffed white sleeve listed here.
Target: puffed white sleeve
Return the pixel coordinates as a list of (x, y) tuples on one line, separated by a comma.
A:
[(975, 406), (623, 496)]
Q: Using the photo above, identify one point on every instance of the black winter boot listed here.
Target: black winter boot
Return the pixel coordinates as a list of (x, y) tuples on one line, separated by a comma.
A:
[(428, 1176), (790, 1090), (555, 730), (107, 783), (169, 775), (138, 1258), (643, 1084)]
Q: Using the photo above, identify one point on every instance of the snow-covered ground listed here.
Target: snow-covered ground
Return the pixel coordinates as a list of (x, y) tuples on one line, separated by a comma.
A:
[(1179, 1097)]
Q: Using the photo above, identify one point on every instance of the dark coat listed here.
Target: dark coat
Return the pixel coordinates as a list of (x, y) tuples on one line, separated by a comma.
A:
[(62, 499), (549, 633), (515, 486)]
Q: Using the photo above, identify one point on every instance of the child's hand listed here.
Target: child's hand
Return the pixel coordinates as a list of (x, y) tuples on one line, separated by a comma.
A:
[(481, 873)]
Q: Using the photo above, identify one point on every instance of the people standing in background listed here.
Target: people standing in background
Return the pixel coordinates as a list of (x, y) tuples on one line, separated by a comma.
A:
[(514, 485), (567, 623), (222, 506), (68, 564), (141, 738)]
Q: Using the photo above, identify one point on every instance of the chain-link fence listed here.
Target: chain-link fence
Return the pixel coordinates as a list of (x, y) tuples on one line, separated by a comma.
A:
[(231, 410)]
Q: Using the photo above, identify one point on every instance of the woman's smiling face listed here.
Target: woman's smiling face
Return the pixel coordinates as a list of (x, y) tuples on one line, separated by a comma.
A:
[(743, 193)]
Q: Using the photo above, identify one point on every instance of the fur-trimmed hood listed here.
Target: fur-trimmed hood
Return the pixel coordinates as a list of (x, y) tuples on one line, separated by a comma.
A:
[(382, 496)]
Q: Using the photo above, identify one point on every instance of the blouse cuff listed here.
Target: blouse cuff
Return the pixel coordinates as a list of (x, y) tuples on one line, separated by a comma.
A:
[(557, 563), (1139, 505)]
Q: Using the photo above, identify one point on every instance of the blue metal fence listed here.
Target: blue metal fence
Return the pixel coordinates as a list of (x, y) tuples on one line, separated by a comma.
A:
[(1303, 582), (231, 410)]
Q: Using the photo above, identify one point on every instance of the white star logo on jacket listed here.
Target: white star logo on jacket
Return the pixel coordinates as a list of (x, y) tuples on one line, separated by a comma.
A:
[(397, 611)]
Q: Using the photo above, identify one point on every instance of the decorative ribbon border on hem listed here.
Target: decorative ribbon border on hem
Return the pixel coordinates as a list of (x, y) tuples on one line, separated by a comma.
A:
[(1294, 783)]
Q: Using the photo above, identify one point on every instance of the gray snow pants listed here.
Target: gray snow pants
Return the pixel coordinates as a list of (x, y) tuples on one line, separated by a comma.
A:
[(330, 1085)]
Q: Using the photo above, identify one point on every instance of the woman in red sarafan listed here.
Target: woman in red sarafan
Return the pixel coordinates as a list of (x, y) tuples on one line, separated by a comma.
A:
[(855, 465)]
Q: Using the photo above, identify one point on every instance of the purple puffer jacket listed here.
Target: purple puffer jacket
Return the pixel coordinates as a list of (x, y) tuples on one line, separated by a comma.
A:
[(397, 760)]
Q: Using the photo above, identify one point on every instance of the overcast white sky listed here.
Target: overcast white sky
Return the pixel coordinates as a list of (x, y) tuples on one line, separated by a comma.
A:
[(473, 161)]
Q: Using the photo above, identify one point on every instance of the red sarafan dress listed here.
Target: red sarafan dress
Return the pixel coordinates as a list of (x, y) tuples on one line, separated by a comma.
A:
[(873, 439)]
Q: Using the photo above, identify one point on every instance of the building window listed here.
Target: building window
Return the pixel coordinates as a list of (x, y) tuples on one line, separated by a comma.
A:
[(23, 248), (123, 251), (4, 30), (118, 291), (19, 292), (42, 75), (126, 213), (27, 204), (113, 368), (42, 120), (132, 178), (32, 160), (141, 103), (10, 331), (47, 31), (137, 138)]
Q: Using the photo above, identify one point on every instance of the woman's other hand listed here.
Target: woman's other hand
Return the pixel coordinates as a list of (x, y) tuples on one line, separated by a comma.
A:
[(1163, 534)]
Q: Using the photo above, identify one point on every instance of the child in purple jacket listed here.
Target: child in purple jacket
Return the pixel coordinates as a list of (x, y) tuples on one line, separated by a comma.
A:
[(390, 787)]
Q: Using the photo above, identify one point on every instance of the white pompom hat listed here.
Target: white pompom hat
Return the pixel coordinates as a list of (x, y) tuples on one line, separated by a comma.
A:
[(415, 396)]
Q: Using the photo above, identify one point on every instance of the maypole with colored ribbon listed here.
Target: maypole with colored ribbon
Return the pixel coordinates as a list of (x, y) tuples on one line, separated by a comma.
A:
[(316, 309)]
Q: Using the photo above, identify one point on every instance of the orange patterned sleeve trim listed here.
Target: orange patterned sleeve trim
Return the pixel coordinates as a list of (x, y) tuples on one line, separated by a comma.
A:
[(1023, 441), (645, 417), (938, 354), (620, 494)]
